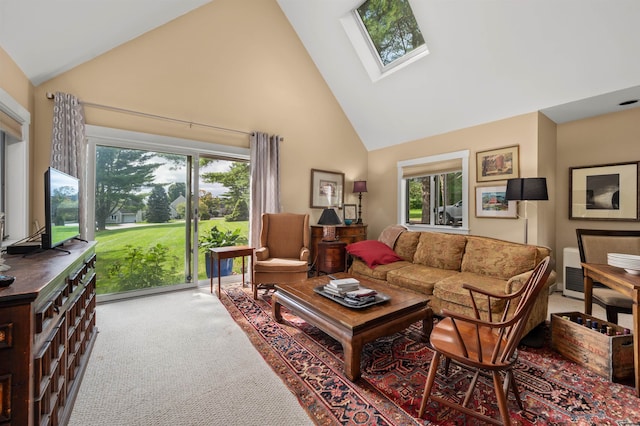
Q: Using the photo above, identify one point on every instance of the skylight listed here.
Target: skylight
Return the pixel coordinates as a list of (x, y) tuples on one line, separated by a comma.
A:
[(392, 31)]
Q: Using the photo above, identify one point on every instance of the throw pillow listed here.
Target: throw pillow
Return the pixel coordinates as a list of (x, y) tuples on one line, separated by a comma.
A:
[(373, 253)]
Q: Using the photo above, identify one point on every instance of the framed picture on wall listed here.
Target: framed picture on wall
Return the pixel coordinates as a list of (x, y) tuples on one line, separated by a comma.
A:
[(498, 164), (326, 189), (350, 212), (491, 202), (604, 192)]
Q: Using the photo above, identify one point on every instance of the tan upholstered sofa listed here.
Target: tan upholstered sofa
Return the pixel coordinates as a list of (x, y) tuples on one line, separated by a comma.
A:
[(437, 264)]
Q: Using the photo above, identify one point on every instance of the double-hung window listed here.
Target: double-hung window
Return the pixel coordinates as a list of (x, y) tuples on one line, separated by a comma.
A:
[(433, 192)]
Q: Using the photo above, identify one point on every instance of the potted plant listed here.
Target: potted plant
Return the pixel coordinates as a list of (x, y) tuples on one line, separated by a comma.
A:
[(217, 238)]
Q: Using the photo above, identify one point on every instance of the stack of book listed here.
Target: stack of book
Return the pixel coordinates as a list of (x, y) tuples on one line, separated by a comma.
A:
[(342, 286), (361, 296)]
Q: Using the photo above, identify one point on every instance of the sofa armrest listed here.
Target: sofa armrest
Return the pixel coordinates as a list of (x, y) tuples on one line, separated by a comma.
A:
[(489, 295), (262, 253), (516, 282)]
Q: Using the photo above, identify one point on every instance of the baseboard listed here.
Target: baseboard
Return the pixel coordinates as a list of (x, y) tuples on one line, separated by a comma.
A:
[(554, 287)]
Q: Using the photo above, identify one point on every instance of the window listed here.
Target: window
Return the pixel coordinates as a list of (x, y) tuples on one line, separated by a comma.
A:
[(14, 124), (391, 30), (433, 191)]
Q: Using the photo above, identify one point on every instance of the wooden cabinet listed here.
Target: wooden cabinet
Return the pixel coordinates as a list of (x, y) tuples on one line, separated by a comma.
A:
[(331, 257), (347, 234), (47, 331)]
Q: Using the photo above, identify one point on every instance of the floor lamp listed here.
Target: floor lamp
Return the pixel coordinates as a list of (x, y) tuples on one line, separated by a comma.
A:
[(359, 186), (526, 189)]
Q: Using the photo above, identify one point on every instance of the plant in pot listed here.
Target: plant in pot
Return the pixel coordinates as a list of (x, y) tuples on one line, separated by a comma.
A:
[(218, 238)]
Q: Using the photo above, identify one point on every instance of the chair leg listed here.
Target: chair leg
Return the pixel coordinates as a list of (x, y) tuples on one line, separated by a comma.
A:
[(501, 397), (433, 369), (510, 379), (472, 386), (612, 314), (447, 363)]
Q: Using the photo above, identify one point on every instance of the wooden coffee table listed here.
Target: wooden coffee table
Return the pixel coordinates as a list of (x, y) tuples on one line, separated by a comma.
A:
[(350, 326)]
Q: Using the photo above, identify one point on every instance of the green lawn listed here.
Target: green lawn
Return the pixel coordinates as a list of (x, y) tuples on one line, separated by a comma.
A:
[(112, 249)]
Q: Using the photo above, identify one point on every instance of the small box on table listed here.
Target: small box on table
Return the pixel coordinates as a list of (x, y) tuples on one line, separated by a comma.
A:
[(610, 356)]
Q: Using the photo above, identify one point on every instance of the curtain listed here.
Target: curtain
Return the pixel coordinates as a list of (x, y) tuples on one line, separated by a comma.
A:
[(265, 180), (69, 146)]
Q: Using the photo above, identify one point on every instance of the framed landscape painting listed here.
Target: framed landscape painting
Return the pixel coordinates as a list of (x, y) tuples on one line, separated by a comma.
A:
[(498, 164), (491, 202), (604, 192)]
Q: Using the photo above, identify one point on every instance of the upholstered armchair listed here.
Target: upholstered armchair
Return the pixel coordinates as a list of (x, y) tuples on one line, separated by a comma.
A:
[(283, 255)]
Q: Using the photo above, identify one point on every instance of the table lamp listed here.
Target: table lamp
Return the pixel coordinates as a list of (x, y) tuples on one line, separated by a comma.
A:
[(526, 189), (359, 186), (329, 219)]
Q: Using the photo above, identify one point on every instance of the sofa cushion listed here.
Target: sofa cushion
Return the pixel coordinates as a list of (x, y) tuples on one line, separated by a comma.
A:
[(450, 290), (373, 252), (419, 278), (440, 250), (406, 245), (358, 267), (498, 259)]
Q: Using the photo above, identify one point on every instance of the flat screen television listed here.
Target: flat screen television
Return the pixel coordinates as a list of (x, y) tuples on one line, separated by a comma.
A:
[(62, 208)]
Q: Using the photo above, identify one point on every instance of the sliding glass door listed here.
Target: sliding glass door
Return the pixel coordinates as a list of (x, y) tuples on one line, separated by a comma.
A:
[(142, 219), (150, 197)]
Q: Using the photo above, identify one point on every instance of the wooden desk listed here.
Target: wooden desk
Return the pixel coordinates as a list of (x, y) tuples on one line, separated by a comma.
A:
[(628, 284), (220, 253)]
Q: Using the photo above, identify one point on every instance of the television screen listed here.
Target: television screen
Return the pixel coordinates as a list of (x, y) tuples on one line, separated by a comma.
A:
[(62, 208)]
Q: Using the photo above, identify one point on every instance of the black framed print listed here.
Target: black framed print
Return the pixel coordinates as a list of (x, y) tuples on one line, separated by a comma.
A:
[(604, 192)]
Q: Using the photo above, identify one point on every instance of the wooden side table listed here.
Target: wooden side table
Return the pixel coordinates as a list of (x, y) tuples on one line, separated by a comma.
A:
[(345, 233), (220, 253), (331, 257)]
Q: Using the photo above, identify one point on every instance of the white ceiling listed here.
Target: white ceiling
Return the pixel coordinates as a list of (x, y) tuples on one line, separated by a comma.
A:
[(489, 59)]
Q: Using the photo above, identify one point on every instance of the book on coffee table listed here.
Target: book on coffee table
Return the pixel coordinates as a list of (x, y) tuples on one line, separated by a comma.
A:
[(345, 284)]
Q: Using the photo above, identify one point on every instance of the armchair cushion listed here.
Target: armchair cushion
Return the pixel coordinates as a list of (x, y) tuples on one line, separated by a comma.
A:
[(373, 252), (286, 235)]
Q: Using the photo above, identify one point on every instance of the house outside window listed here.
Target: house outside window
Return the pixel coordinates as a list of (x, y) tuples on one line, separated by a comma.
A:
[(433, 192)]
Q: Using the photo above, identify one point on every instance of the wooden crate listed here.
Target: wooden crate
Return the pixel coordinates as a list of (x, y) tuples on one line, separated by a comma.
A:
[(608, 356)]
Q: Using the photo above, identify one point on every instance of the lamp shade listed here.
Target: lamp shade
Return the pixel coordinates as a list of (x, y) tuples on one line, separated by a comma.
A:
[(329, 217), (360, 186), (531, 189)]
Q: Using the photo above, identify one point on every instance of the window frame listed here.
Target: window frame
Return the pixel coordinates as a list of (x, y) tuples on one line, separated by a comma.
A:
[(367, 52), (16, 171), (463, 156), (373, 49)]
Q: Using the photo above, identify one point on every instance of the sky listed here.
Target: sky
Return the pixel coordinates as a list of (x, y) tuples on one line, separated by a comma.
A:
[(169, 173)]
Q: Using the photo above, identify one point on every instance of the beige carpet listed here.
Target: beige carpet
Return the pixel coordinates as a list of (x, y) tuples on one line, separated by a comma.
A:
[(179, 359)]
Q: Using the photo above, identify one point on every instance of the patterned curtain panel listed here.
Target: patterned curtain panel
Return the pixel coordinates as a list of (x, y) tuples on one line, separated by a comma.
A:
[(69, 145), (265, 180)]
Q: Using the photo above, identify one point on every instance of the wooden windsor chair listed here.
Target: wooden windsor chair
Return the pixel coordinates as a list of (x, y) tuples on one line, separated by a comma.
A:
[(485, 346)]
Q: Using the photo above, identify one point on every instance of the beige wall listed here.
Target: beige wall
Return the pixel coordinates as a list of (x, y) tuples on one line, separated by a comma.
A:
[(15, 82), (224, 64), (606, 139), (521, 130)]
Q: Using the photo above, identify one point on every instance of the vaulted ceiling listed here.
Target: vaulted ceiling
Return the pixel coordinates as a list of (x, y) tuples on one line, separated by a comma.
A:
[(488, 60)]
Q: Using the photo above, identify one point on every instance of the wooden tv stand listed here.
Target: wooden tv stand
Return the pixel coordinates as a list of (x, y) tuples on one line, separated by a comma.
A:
[(47, 331)]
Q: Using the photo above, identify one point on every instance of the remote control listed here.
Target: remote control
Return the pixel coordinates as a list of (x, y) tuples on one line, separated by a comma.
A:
[(6, 280)]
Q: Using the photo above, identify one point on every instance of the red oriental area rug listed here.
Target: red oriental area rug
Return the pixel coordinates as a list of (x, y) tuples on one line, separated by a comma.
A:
[(555, 391)]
